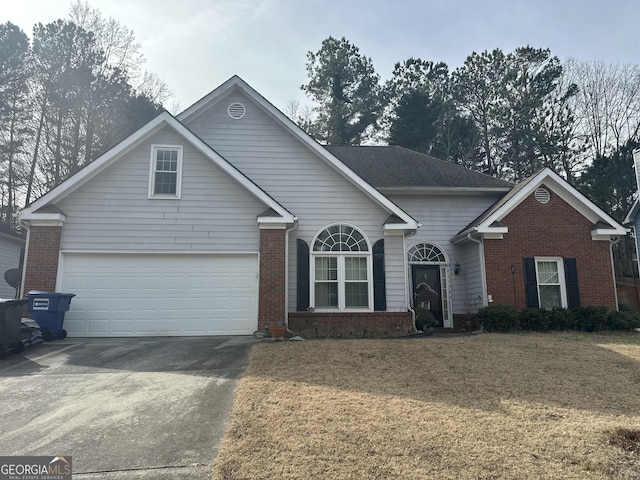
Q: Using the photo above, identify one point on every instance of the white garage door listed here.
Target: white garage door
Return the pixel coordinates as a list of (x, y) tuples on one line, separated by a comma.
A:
[(134, 295)]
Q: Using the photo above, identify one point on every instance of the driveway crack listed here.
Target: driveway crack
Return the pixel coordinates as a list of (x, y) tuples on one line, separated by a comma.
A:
[(143, 469)]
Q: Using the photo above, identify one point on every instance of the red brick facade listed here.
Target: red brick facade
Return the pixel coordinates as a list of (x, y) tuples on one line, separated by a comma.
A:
[(554, 229), (351, 325), (43, 253), (271, 299)]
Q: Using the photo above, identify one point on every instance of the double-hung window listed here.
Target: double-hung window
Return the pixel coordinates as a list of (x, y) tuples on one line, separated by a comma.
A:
[(341, 270), (166, 171), (551, 288)]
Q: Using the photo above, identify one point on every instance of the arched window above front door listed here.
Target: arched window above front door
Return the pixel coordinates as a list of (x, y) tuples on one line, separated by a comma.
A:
[(426, 252)]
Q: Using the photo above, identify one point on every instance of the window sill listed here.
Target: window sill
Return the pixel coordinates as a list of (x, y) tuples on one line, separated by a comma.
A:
[(346, 310), (164, 197)]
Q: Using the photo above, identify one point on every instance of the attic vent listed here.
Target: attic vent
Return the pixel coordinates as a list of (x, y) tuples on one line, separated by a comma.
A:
[(542, 195), (236, 110)]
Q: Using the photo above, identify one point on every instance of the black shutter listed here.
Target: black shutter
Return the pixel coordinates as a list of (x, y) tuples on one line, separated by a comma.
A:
[(379, 284), (571, 277), (302, 303), (531, 283)]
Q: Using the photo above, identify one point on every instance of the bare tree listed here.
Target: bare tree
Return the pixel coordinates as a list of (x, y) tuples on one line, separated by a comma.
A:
[(303, 116), (607, 107)]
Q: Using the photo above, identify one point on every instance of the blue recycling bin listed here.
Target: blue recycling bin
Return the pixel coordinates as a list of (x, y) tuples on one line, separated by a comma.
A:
[(48, 309)]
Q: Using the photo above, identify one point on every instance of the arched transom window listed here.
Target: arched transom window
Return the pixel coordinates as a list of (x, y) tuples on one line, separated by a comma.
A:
[(340, 238), (341, 269), (426, 252)]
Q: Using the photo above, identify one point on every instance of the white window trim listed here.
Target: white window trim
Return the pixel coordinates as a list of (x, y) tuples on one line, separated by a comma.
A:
[(152, 173), (368, 254), (561, 278), (342, 281)]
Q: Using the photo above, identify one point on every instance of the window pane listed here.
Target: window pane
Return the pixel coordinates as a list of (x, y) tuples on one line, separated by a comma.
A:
[(165, 183), (327, 268), (326, 294), (548, 273), (167, 161), (355, 268), (340, 238), (550, 296), (356, 294)]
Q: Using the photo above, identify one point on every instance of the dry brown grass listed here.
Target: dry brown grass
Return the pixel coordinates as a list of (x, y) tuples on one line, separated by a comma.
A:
[(478, 407)]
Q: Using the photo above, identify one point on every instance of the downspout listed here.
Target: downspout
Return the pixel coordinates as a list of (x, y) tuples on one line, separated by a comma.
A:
[(613, 269), (286, 271), (405, 263), (637, 248), (25, 259), (483, 269)]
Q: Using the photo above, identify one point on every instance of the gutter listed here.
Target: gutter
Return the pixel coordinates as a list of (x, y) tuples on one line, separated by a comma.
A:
[(613, 242)]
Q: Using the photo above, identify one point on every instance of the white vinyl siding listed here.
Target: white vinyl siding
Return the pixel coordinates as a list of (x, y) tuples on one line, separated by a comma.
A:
[(113, 211), (294, 176), (470, 289), (9, 258), (396, 273)]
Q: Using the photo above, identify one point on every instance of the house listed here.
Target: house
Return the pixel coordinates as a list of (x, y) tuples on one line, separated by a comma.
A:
[(229, 219), (11, 250), (633, 217)]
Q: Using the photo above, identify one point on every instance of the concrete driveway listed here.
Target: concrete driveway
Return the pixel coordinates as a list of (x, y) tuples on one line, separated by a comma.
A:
[(122, 408)]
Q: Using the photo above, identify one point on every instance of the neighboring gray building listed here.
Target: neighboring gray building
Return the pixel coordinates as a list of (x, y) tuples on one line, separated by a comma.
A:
[(11, 249), (633, 217)]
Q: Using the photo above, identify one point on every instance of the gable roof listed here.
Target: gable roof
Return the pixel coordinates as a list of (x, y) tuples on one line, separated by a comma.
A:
[(236, 83), (629, 219), (491, 220), (393, 167), (40, 206)]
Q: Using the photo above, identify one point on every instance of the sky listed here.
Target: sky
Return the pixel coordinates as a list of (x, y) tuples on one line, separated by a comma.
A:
[(195, 45)]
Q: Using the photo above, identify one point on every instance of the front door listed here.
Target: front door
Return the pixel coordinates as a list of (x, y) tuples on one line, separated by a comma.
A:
[(427, 289)]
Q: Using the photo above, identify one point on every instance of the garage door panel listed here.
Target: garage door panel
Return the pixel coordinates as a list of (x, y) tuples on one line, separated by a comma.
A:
[(160, 294)]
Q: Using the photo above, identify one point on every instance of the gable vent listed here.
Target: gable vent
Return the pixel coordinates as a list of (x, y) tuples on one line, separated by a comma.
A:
[(542, 195), (236, 110)]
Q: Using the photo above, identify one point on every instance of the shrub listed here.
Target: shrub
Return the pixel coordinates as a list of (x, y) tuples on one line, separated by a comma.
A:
[(535, 319), (622, 320), (561, 319), (590, 319), (625, 307), (425, 319), (498, 318)]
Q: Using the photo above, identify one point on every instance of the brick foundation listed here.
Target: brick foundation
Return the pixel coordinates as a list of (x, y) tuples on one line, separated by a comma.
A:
[(271, 298), (351, 325), (554, 229), (41, 264)]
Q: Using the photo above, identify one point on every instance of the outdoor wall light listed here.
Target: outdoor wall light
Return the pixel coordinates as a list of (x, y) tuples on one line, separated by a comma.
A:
[(456, 268)]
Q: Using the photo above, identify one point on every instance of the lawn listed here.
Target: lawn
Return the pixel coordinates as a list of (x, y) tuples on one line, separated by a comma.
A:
[(491, 406)]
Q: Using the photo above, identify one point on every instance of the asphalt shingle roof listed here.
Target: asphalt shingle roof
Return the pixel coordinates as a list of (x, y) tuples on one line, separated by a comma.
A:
[(393, 166)]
